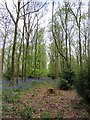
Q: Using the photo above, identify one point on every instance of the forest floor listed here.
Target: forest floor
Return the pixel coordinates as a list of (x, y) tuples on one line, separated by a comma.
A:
[(45, 100)]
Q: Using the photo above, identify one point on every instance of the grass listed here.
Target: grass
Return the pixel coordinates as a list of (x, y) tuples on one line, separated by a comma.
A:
[(27, 112), (41, 102), (58, 114), (5, 108), (45, 114), (10, 96)]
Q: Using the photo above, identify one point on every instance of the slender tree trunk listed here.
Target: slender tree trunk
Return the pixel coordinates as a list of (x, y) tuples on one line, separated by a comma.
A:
[(4, 42), (18, 60), (85, 46), (14, 47), (23, 63), (23, 56), (39, 61), (62, 60), (66, 36), (8, 66), (80, 48), (13, 57), (1, 74), (77, 60), (89, 41), (35, 58), (70, 51), (26, 57), (55, 63), (8, 58)]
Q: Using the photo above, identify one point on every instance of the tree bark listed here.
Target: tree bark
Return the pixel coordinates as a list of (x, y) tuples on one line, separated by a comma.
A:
[(18, 59), (4, 43), (89, 41), (35, 56), (26, 57), (14, 47)]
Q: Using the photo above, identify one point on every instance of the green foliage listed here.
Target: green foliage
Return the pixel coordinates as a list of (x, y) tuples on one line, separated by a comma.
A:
[(41, 102), (7, 74), (10, 96), (68, 75), (54, 65), (59, 114), (41, 58), (5, 108), (66, 78), (27, 112), (34, 83), (45, 114), (63, 84), (53, 76), (83, 85)]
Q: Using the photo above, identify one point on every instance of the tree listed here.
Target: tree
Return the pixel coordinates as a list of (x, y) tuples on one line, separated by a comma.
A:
[(5, 24), (54, 65), (19, 54), (53, 32), (15, 39), (89, 41), (26, 14), (31, 24), (35, 57), (64, 22), (61, 31), (78, 17), (70, 22)]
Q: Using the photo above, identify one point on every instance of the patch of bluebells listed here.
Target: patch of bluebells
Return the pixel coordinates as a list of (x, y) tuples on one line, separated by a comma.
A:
[(11, 93)]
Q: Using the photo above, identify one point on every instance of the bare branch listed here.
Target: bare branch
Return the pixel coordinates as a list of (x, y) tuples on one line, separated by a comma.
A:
[(35, 10), (25, 5), (14, 5), (10, 13)]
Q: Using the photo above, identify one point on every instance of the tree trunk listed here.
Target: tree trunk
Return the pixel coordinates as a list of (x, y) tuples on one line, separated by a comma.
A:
[(89, 41), (26, 57), (4, 42), (35, 58), (23, 56), (69, 51), (18, 60), (80, 47), (14, 47), (66, 35)]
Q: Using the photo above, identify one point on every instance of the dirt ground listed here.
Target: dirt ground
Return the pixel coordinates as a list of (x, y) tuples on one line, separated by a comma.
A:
[(58, 103)]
